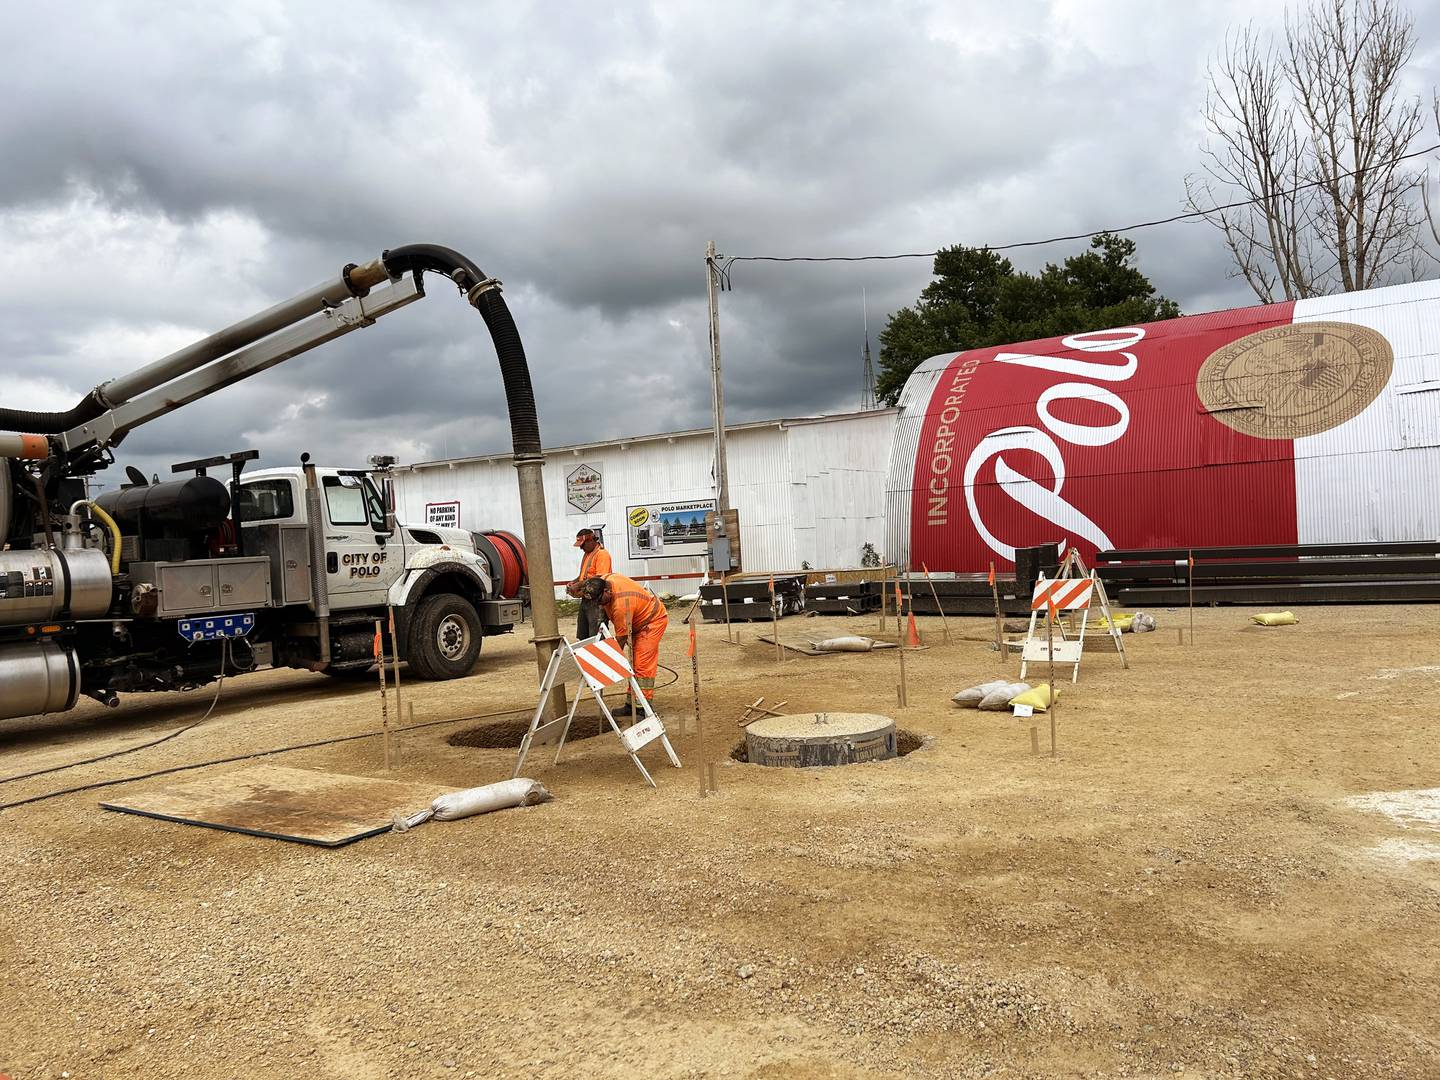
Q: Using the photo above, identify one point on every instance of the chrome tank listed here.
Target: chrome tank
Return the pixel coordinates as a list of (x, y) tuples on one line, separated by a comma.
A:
[(38, 677), (38, 585)]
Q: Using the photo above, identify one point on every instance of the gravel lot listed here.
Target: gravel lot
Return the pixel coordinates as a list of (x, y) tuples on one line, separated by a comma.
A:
[(1183, 891)]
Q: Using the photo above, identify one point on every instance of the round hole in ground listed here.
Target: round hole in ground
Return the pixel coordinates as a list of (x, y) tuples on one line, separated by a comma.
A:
[(906, 742), (506, 734)]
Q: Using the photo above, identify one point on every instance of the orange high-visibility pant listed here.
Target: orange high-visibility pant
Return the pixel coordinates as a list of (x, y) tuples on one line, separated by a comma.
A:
[(647, 653)]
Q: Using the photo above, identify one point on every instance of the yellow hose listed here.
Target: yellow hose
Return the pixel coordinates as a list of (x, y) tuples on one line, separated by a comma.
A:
[(109, 523)]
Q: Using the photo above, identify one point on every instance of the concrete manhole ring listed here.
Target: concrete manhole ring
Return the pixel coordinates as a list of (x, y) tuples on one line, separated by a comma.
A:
[(823, 738)]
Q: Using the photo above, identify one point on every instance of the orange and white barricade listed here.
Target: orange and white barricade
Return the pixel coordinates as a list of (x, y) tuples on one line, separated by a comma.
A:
[(1073, 589), (597, 663)]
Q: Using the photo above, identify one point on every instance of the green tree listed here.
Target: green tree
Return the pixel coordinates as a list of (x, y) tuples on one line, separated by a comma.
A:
[(979, 299)]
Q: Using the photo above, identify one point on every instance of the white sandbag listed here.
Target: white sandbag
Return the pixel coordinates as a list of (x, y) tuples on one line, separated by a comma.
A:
[(1142, 623), (971, 696), (479, 800), (482, 800), (845, 644), (999, 700)]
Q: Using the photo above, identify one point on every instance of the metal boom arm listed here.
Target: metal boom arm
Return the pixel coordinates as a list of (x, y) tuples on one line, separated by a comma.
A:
[(113, 425)]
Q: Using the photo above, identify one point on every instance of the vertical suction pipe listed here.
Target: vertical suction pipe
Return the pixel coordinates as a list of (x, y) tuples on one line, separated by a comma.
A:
[(483, 293)]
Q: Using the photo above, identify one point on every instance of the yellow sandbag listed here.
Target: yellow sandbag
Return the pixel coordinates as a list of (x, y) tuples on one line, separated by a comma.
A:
[(1275, 618), (1122, 623), (1039, 697)]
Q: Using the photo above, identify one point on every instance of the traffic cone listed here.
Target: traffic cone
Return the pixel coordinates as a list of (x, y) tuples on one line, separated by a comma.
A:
[(912, 635)]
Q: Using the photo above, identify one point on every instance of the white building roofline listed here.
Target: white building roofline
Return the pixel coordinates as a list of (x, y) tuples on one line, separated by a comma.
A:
[(690, 433)]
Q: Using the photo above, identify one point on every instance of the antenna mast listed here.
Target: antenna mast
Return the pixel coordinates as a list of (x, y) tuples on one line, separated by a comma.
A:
[(867, 388)]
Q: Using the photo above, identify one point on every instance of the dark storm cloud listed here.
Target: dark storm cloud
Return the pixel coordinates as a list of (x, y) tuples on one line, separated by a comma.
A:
[(168, 171)]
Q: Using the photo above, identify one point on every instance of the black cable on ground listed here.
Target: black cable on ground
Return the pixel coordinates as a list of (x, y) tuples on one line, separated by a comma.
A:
[(224, 653), (249, 757), (674, 677)]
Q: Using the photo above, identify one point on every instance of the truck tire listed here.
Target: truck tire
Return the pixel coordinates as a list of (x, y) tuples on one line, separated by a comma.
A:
[(444, 637)]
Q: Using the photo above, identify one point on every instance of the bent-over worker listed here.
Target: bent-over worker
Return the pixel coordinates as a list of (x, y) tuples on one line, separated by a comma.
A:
[(637, 615), (595, 562)]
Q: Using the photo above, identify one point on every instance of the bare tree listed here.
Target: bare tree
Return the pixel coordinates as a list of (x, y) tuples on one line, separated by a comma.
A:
[(1312, 130)]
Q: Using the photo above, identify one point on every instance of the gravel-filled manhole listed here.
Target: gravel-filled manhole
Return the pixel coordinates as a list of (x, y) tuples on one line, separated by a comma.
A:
[(784, 752)]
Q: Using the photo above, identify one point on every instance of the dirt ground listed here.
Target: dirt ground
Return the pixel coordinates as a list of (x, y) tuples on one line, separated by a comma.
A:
[(1182, 891)]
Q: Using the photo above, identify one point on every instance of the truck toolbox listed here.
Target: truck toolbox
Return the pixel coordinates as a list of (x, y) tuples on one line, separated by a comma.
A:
[(500, 612), (201, 585)]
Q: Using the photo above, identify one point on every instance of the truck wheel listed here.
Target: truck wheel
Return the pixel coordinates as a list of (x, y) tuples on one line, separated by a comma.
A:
[(444, 637)]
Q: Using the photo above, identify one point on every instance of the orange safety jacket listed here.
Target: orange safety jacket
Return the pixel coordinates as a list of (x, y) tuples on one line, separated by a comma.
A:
[(633, 608), (594, 564)]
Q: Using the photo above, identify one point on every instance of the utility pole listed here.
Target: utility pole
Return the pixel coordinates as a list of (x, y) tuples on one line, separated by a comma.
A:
[(867, 389), (717, 389)]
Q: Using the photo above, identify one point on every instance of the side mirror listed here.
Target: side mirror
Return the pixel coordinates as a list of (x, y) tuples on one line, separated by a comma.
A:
[(387, 493)]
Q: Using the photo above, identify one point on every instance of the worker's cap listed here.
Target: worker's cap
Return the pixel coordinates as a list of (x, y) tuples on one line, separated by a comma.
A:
[(592, 589), (583, 535)]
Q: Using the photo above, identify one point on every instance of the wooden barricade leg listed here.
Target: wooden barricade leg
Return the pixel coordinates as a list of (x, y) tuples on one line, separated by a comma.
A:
[(650, 714), (621, 736), (565, 731), (547, 684), (1084, 620), (1029, 636)]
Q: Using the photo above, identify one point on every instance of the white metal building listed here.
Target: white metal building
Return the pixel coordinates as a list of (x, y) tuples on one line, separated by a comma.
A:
[(808, 490)]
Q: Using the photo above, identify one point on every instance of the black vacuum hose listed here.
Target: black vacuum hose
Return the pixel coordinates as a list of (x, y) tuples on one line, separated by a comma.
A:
[(514, 370), (52, 423)]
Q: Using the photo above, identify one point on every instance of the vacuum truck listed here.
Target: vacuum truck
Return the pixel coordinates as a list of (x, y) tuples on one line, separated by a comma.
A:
[(169, 585)]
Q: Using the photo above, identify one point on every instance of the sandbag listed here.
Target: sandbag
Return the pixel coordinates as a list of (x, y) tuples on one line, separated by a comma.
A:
[(1275, 618), (479, 800), (1142, 623), (853, 643), (482, 800), (1123, 623), (1038, 698), (998, 700), (971, 696)]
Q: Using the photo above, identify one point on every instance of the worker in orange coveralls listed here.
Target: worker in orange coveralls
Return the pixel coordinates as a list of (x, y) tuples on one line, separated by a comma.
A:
[(635, 614), (595, 562)]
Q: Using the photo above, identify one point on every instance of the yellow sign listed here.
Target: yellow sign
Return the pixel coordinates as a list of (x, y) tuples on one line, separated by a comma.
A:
[(639, 516)]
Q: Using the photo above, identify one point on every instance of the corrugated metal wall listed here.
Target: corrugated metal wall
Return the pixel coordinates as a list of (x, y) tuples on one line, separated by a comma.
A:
[(808, 490), (1377, 477), (907, 425), (837, 483)]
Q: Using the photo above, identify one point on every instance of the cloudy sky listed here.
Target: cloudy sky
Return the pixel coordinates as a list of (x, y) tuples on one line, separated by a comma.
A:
[(169, 168)]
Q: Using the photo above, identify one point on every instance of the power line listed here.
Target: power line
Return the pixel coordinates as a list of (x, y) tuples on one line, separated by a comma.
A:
[(1188, 216)]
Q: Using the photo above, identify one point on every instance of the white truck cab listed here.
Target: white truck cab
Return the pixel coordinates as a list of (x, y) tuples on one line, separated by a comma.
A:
[(443, 590)]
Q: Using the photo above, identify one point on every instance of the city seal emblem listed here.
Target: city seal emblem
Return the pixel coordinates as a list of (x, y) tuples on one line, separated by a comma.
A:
[(1292, 381)]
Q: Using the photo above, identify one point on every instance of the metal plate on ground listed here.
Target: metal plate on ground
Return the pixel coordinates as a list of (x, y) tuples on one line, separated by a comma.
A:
[(303, 805)]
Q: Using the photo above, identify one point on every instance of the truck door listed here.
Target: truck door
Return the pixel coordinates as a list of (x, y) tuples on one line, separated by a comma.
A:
[(361, 560)]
